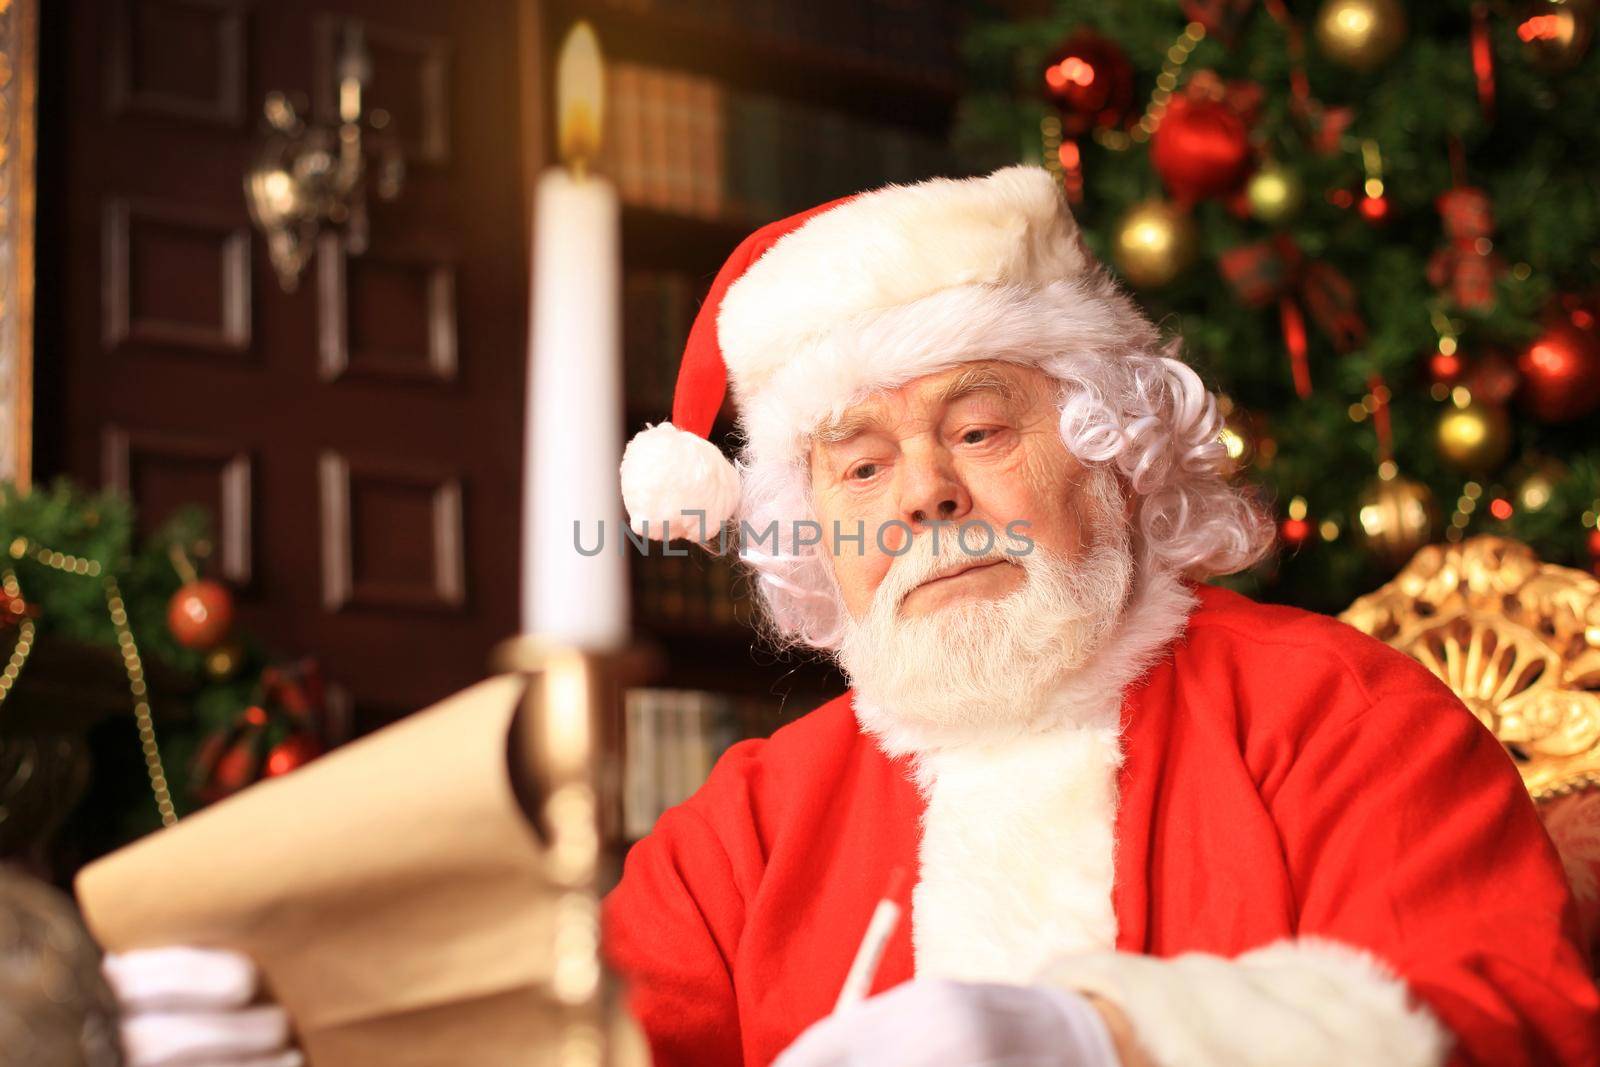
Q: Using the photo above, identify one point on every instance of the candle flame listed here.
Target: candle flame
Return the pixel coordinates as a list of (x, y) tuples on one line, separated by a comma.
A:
[(580, 97)]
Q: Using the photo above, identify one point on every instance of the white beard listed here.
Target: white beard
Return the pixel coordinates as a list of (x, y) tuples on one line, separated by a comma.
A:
[(986, 670)]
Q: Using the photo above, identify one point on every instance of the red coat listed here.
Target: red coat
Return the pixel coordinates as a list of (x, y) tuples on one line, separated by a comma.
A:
[(1285, 777)]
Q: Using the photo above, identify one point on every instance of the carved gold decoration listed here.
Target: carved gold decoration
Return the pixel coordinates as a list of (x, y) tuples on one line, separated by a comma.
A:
[(19, 23), (1518, 640)]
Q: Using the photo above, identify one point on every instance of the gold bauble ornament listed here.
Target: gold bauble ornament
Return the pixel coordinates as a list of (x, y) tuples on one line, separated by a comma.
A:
[(1154, 243), (1241, 435), (1360, 34), (1396, 516), (224, 661), (1236, 442), (1473, 436), (1537, 486), (1275, 193)]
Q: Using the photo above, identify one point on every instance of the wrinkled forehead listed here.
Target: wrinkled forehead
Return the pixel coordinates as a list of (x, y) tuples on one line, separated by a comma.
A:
[(1015, 386)]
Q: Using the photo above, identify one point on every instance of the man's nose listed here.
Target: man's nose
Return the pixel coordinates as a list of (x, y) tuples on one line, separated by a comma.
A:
[(932, 490)]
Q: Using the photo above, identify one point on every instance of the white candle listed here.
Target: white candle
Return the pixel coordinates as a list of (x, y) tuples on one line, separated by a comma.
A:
[(574, 427)]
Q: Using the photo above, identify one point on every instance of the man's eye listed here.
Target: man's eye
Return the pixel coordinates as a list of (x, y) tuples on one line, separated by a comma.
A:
[(975, 437), (863, 471)]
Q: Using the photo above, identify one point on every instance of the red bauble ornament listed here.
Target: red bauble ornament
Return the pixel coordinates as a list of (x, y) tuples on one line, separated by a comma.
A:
[(1375, 209), (1493, 377), (237, 767), (1295, 532), (1089, 79), (1561, 372), (1201, 149), (226, 764), (13, 609), (1555, 35), (200, 614), (292, 753), (1444, 368)]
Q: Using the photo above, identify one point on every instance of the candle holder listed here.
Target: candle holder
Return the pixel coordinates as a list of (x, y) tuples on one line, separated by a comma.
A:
[(566, 754)]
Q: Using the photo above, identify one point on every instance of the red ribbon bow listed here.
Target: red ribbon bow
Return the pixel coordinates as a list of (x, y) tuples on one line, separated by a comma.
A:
[(1276, 269), (1467, 265), (1221, 17)]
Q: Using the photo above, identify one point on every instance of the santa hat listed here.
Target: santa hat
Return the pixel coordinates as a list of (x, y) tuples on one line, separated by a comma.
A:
[(813, 312)]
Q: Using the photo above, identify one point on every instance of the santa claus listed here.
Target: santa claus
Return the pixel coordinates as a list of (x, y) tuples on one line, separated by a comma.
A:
[(1147, 820)]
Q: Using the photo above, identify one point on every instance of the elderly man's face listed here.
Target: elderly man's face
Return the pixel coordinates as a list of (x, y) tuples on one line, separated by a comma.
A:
[(979, 443)]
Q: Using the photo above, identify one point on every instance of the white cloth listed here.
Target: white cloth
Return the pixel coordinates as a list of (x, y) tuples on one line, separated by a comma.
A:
[(941, 1023), (191, 1007)]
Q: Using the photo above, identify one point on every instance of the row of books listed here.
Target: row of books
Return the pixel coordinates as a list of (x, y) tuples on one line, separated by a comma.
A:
[(658, 307), (920, 38), (683, 143), (696, 589), (672, 738)]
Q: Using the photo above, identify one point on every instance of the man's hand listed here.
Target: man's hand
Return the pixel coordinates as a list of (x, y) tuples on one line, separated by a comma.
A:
[(192, 1006), (938, 1023)]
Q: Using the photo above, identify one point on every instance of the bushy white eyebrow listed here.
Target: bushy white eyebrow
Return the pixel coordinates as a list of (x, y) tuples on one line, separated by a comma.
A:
[(969, 381)]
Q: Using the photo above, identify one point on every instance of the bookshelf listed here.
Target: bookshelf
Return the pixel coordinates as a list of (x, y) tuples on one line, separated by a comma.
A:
[(892, 60), (723, 115)]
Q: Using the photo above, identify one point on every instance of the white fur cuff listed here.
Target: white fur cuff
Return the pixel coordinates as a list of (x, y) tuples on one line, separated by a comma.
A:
[(1309, 1002)]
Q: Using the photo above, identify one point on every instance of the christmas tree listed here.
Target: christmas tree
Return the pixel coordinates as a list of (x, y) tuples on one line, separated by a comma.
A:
[(95, 620), (1374, 224)]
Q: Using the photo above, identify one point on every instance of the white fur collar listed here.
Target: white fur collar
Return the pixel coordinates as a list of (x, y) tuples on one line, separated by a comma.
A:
[(1016, 861)]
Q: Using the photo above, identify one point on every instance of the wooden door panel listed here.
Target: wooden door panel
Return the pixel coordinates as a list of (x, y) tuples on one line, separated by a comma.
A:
[(391, 535), (166, 473), (180, 59), (174, 277), (359, 438), (386, 315)]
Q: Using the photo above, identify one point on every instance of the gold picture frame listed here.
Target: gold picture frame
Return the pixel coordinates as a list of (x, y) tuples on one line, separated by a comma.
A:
[(19, 90)]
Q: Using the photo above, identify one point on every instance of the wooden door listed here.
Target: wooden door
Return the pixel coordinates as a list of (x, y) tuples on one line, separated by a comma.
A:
[(359, 438)]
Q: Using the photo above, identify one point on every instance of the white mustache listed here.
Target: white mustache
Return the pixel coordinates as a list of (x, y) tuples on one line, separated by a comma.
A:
[(920, 565)]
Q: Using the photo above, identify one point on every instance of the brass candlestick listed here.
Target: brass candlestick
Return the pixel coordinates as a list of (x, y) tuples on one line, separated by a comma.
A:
[(566, 754)]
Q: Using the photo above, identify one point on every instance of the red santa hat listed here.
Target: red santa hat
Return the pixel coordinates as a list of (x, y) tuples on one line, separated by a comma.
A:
[(813, 312)]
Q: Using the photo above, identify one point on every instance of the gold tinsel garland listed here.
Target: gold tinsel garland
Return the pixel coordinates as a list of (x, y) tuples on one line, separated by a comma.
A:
[(138, 690)]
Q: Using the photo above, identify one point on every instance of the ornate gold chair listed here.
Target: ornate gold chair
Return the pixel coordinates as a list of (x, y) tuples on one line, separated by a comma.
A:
[(1518, 641)]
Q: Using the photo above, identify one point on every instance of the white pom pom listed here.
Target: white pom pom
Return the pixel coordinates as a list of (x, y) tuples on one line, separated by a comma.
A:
[(667, 472)]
